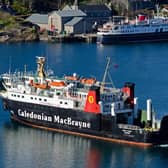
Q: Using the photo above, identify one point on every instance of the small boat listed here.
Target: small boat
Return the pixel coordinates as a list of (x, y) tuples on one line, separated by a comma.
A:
[(57, 84), (72, 78), (89, 81), (40, 86)]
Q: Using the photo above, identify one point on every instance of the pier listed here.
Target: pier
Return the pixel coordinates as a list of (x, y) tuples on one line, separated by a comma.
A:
[(89, 38)]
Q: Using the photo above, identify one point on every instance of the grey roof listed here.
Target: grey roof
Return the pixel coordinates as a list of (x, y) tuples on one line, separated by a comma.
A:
[(74, 21), (71, 13), (38, 18), (67, 7)]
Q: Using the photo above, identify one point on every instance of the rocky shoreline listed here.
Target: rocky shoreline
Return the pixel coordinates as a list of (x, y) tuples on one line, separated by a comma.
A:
[(16, 29), (19, 35)]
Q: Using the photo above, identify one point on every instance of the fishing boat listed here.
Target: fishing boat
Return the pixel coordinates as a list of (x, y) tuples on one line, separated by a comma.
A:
[(81, 106), (140, 30)]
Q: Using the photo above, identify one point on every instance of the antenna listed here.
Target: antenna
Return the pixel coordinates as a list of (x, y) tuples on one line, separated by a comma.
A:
[(25, 69), (46, 65), (106, 72), (10, 64)]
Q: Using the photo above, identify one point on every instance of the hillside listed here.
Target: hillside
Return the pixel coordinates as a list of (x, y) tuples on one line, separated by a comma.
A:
[(13, 28), (23, 6), (45, 6)]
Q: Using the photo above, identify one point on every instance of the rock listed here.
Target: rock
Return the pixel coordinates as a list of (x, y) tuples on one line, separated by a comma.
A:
[(20, 35)]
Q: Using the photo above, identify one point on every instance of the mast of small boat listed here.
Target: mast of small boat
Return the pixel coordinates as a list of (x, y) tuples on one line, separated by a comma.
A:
[(10, 62), (25, 69), (157, 10), (106, 72)]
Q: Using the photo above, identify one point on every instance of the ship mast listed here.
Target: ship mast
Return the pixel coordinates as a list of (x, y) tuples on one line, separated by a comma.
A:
[(40, 67), (106, 72)]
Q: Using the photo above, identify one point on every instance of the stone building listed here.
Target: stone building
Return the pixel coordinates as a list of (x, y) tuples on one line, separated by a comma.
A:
[(58, 19)]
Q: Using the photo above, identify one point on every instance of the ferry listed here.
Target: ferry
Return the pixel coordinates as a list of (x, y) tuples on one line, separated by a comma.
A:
[(81, 106), (140, 30)]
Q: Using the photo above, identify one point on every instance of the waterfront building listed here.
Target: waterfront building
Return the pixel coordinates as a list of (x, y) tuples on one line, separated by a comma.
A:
[(96, 13), (78, 19), (76, 25), (39, 19), (58, 19)]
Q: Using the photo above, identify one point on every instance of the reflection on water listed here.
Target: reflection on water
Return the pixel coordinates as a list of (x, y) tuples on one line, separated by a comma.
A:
[(27, 147)]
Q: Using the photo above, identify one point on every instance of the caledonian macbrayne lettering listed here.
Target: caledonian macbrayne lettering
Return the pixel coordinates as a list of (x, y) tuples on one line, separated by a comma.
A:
[(56, 119)]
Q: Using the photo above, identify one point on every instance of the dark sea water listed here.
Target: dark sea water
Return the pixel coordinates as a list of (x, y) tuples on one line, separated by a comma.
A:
[(144, 64)]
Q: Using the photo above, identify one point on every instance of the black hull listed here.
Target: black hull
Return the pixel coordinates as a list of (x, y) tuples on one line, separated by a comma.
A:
[(80, 123), (132, 38)]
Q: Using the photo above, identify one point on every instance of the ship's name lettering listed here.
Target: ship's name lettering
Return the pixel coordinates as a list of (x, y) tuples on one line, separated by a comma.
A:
[(35, 116), (56, 119), (71, 122)]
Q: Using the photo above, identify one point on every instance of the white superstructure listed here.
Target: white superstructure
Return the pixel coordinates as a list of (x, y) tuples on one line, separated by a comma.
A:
[(157, 24)]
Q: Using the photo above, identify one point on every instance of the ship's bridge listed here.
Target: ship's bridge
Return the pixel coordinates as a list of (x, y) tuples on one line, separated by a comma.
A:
[(111, 95)]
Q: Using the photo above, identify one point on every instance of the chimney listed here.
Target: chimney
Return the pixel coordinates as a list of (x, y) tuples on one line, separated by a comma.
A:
[(75, 6)]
